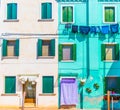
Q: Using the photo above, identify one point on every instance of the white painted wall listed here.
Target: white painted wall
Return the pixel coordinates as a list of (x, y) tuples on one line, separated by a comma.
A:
[(27, 62)]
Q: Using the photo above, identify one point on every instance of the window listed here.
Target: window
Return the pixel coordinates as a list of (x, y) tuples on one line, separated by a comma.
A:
[(109, 14), (12, 11), (110, 52), (46, 47), (48, 84), (10, 48), (112, 84), (10, 84), (46, 11), (67, 14), (67, 52)]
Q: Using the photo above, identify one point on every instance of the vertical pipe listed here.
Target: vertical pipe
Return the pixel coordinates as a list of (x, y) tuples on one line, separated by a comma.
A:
[(108, 100)]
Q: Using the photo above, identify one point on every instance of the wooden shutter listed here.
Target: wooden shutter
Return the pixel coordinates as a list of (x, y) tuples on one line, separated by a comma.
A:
[(14, 11), (49, 10), (117, 52), (4, 48), (10, 84), (60, 52), (112, 14), (52, 47), (9, 11), (103, 52), (64, 14), (17, 47), (44, 10), (74, 52), (70, 14), (48, 84), (106, 14), (39, 47)]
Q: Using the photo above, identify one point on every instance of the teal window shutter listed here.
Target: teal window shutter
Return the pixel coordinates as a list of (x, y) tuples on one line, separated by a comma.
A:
[(52, 47), (44, 11), (39, 47), (14, 11), (64, 14), (60, 52), (17, 47), (117, 52), (49, 10), (4, 48), (48, 84), (70, 14), (74, 52), (10, 84), (9, 11), (103, 54)]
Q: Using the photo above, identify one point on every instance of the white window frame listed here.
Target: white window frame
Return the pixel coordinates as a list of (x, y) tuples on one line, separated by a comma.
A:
[(104, 6), (73, 14)]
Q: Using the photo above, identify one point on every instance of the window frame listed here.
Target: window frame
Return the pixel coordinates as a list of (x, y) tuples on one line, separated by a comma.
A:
[(62, 14), (110, 44), (113, 6), (68, 44)]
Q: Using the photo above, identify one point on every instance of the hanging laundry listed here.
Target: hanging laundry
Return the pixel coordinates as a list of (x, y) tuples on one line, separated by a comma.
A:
[(74, 28), (98, 30), (67, 25), (105, 29), (114, 28), (93, 29), (84, 29), (68, 91)]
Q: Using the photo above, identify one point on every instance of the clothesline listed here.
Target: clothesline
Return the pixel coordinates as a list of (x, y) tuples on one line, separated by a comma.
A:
[(113, 28)]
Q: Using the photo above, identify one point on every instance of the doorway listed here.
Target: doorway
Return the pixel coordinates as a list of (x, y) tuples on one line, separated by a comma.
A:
[(29, 88)]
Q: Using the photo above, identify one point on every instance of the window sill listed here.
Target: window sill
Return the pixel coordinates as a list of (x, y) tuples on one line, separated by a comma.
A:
[(109, 22), (49, 94), (10, 57), (67, 61), (9, 94), (46, 57), (11, 20), (45, 20), (110, 60)]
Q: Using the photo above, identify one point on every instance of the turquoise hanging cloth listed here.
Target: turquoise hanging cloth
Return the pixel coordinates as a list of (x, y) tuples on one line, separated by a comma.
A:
[(114, 28), (84, 29), (105, 29), (93, 29)]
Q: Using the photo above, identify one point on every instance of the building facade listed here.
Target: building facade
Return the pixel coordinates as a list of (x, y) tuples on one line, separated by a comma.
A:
[(88, 52), (29, 60)]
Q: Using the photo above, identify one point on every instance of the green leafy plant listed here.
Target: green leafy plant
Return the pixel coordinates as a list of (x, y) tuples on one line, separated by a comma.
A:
[(96, 86), (88, 90)]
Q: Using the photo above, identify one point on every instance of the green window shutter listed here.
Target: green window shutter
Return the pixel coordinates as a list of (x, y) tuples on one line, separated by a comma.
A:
[(44, 11), (39, 47), (4, 48), (103, 52), (74, 52), (106, 14), (48, 84), (70, 14), (64, 14), (10, 84), (117, 52), (14, 11), (17, 47), (49, 10), (52, 47), (9, 11), (112, 14), (60, 52)]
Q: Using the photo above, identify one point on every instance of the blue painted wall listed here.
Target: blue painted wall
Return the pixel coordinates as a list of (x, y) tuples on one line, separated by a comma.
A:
[(98, 69)]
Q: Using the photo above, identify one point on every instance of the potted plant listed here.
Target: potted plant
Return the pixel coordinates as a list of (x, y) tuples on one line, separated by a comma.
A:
[(96, 86), (88, 90)]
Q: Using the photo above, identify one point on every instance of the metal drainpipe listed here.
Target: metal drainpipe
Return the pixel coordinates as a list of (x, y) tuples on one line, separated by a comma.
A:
[(87, 51)]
